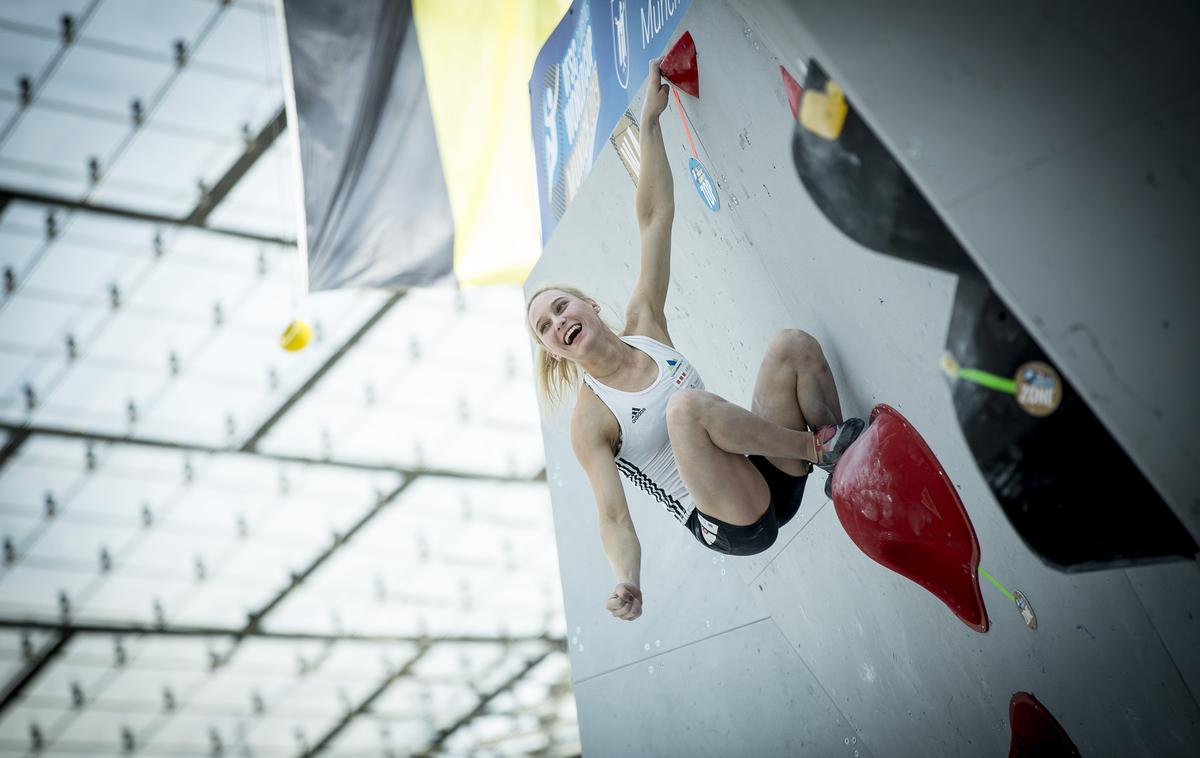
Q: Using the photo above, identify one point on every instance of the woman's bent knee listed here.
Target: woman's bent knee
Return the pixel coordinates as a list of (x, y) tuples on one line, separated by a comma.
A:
[(686, 405), (796, 347)]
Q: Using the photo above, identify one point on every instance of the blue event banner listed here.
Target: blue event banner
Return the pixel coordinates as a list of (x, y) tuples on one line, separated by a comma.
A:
[(590, 69)]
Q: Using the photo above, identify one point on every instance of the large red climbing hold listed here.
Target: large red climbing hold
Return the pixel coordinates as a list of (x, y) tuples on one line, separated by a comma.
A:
[(794, 92), (1035, 731), (899, 507), (679, 65)]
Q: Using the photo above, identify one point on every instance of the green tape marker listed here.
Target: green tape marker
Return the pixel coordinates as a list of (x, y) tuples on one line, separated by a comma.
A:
[(991, 381), (950, 366), (1018, 599), (998, 585)]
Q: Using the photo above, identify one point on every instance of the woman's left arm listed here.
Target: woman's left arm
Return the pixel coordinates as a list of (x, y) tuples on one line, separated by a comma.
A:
[(656, 213)]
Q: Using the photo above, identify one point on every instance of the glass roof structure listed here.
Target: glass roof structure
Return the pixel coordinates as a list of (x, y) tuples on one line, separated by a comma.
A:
[(212, 546)]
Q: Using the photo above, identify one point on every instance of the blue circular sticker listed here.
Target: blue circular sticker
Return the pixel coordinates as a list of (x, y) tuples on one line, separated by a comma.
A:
[(705, 186)]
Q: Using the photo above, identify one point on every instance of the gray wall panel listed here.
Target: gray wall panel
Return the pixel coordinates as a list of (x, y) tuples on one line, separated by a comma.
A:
[(1113, 657), (742, 693)]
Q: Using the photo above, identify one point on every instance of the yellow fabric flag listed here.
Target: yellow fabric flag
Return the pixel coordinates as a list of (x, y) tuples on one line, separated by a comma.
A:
[(478, 55)]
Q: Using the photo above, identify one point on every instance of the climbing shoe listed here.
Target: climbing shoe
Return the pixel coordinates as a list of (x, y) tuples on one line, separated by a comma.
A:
[(832, 441)]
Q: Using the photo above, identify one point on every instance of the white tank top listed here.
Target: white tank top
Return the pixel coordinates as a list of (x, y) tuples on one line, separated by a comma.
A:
[(644, 454)]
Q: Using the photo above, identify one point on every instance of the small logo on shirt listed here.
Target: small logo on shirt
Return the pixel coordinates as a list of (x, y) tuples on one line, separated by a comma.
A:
[(679, 379), (637, 414)]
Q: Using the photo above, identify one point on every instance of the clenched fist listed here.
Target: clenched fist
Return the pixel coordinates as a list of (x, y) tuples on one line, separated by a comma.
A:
[(625, 602)]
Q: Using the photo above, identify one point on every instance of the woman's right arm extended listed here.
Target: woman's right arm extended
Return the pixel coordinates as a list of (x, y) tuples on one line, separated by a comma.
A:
[(592, 438)]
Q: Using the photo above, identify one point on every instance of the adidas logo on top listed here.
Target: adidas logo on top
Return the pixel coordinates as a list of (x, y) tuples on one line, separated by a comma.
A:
[(637, 414)]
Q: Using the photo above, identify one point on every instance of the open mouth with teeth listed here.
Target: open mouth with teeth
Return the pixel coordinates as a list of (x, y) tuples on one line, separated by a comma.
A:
[(572, 333)]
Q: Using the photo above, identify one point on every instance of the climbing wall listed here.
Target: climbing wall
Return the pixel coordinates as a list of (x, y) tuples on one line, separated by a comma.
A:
[(815, 647)]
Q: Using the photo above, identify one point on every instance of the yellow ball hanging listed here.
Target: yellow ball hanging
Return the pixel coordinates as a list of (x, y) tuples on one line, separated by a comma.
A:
[(296, 336)]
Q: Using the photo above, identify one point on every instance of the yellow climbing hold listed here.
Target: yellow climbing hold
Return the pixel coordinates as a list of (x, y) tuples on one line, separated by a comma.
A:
[(296, 336), (949, 365), (824, 113)]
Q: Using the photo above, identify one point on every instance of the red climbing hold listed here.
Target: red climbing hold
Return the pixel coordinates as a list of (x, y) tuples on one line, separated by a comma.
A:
[(1035, 731), (679, 65), (897, 504), (794, 92)]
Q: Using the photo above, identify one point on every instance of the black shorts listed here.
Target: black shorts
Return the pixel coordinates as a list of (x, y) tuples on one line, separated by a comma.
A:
[(786, 493)]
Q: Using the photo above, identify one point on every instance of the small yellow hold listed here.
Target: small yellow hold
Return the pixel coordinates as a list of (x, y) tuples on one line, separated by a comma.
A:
[(949, 365), (824, 113), (296, 336)]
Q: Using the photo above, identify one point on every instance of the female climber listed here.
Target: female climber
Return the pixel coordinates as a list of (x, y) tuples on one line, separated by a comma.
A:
[(731, 476)]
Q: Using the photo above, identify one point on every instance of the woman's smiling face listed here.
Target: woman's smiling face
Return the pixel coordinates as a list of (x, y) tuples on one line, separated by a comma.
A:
[(562, 322)]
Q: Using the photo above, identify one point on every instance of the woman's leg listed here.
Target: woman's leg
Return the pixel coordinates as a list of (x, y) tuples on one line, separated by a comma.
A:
[(711, 438), (795, 389)]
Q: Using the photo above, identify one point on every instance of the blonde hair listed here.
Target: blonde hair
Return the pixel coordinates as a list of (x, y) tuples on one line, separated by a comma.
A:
[(555, 378)]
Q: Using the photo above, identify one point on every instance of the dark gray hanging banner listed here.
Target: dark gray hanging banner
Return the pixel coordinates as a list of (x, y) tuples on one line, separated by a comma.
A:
[(377, 213)]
